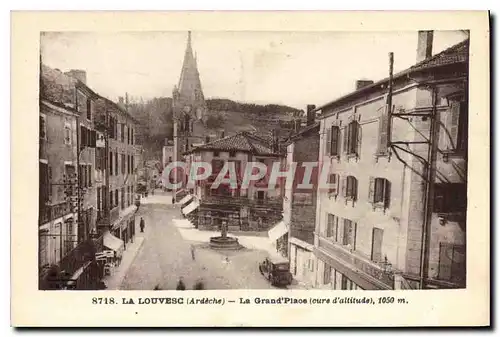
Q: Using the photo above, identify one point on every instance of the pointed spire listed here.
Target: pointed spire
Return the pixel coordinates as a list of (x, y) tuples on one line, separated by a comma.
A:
[(189, 83)]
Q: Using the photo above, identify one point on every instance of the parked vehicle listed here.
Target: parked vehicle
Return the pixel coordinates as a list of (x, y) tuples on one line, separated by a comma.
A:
[(276, 270)]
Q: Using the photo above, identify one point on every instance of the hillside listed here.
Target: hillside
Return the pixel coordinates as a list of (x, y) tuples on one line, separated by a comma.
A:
[(155, 117)]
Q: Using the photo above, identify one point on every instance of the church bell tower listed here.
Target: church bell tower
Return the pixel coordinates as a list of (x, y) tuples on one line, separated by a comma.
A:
[(189, 108)]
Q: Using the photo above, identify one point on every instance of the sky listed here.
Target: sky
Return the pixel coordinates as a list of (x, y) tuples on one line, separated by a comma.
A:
[(290, 68)]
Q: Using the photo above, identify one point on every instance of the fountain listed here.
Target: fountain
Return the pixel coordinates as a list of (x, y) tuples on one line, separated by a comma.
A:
[(223, 241)]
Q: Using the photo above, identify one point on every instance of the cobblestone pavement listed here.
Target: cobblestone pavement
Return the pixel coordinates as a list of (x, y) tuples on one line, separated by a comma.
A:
[(166, 256)]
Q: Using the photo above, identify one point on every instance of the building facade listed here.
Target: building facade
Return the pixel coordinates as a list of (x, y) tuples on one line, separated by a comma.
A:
[(299, 204), (375, 230), (80, 181), (67, 209), (256, 208)]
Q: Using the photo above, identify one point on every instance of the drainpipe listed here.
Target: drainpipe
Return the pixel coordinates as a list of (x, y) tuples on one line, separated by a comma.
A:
[(429, 198)]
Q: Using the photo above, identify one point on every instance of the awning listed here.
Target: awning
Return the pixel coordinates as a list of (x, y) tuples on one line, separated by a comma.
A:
[(191, 207), (186, 199), (112, 242), (278, 231)]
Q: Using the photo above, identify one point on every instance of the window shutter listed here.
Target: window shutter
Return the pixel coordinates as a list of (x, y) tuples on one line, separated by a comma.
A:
[(358, 139), (355, 188), (337, 182), (328, 142), (377, 237), (335, 140), (82, 136), (371, 190), (345, 144), (49, 181), (454, 117), (344, 187), (387, 193), (383, 123), (354, 228)]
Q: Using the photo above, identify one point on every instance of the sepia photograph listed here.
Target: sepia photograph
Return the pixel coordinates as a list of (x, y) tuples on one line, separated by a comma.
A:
[(325, 161)]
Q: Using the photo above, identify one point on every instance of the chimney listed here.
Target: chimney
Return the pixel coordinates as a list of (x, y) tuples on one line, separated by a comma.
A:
[(363, 83), (311, 116), (424, 47), (78, 74)]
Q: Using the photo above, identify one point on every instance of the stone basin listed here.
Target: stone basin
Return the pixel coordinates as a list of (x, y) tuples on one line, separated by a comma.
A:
[(224, 242)]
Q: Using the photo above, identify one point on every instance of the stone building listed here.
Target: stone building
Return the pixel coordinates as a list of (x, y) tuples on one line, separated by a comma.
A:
[(190, 112), (119, 159), (299, 203), (67, 210), (375, 229), (256, 208)]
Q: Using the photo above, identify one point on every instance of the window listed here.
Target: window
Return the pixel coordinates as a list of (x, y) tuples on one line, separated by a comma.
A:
[(123, 163), (327, 274), (111, 204), (68, 240), (43, 243), (116, 198), (122, 132), (90, 174), (450, 198), (111, 163), (67, 134), (352, 138), (454, 134), (132, 136), (377, 236), (232, 153), (216, 153), (123, 198), (261, 195), (379, 192), (89, 109), (116, 164), (99, 205), (43, 127), (382, 148), (452, 267), (333, 141), (133, 167), (349, 237), (350, 188), (332, 226), (217, 165), (333, 180), (44, 184)]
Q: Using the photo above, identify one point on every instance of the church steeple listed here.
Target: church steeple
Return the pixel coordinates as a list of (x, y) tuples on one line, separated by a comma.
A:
[(189, 81)]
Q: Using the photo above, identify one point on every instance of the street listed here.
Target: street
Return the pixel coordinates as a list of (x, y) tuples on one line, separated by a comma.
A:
[(166, 256)]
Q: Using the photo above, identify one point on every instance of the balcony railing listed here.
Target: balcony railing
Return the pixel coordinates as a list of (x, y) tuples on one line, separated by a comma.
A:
[(381, 271), (52, 212), (244, 201)]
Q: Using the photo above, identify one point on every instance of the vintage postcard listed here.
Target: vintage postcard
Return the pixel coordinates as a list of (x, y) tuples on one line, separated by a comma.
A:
[(250, 169)]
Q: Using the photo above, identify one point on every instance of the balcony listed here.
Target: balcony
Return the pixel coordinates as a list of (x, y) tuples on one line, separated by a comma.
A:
[(379, 271), (242, 201), (52, 212)]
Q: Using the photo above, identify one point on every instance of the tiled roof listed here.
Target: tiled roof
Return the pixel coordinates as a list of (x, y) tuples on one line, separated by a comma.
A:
[(242, 141), (456, 54)]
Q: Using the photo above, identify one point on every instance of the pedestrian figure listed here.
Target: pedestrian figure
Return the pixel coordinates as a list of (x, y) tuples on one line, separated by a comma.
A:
[(181, 285), (192, 252), (173, 200), (199, 285), (141, 224)]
